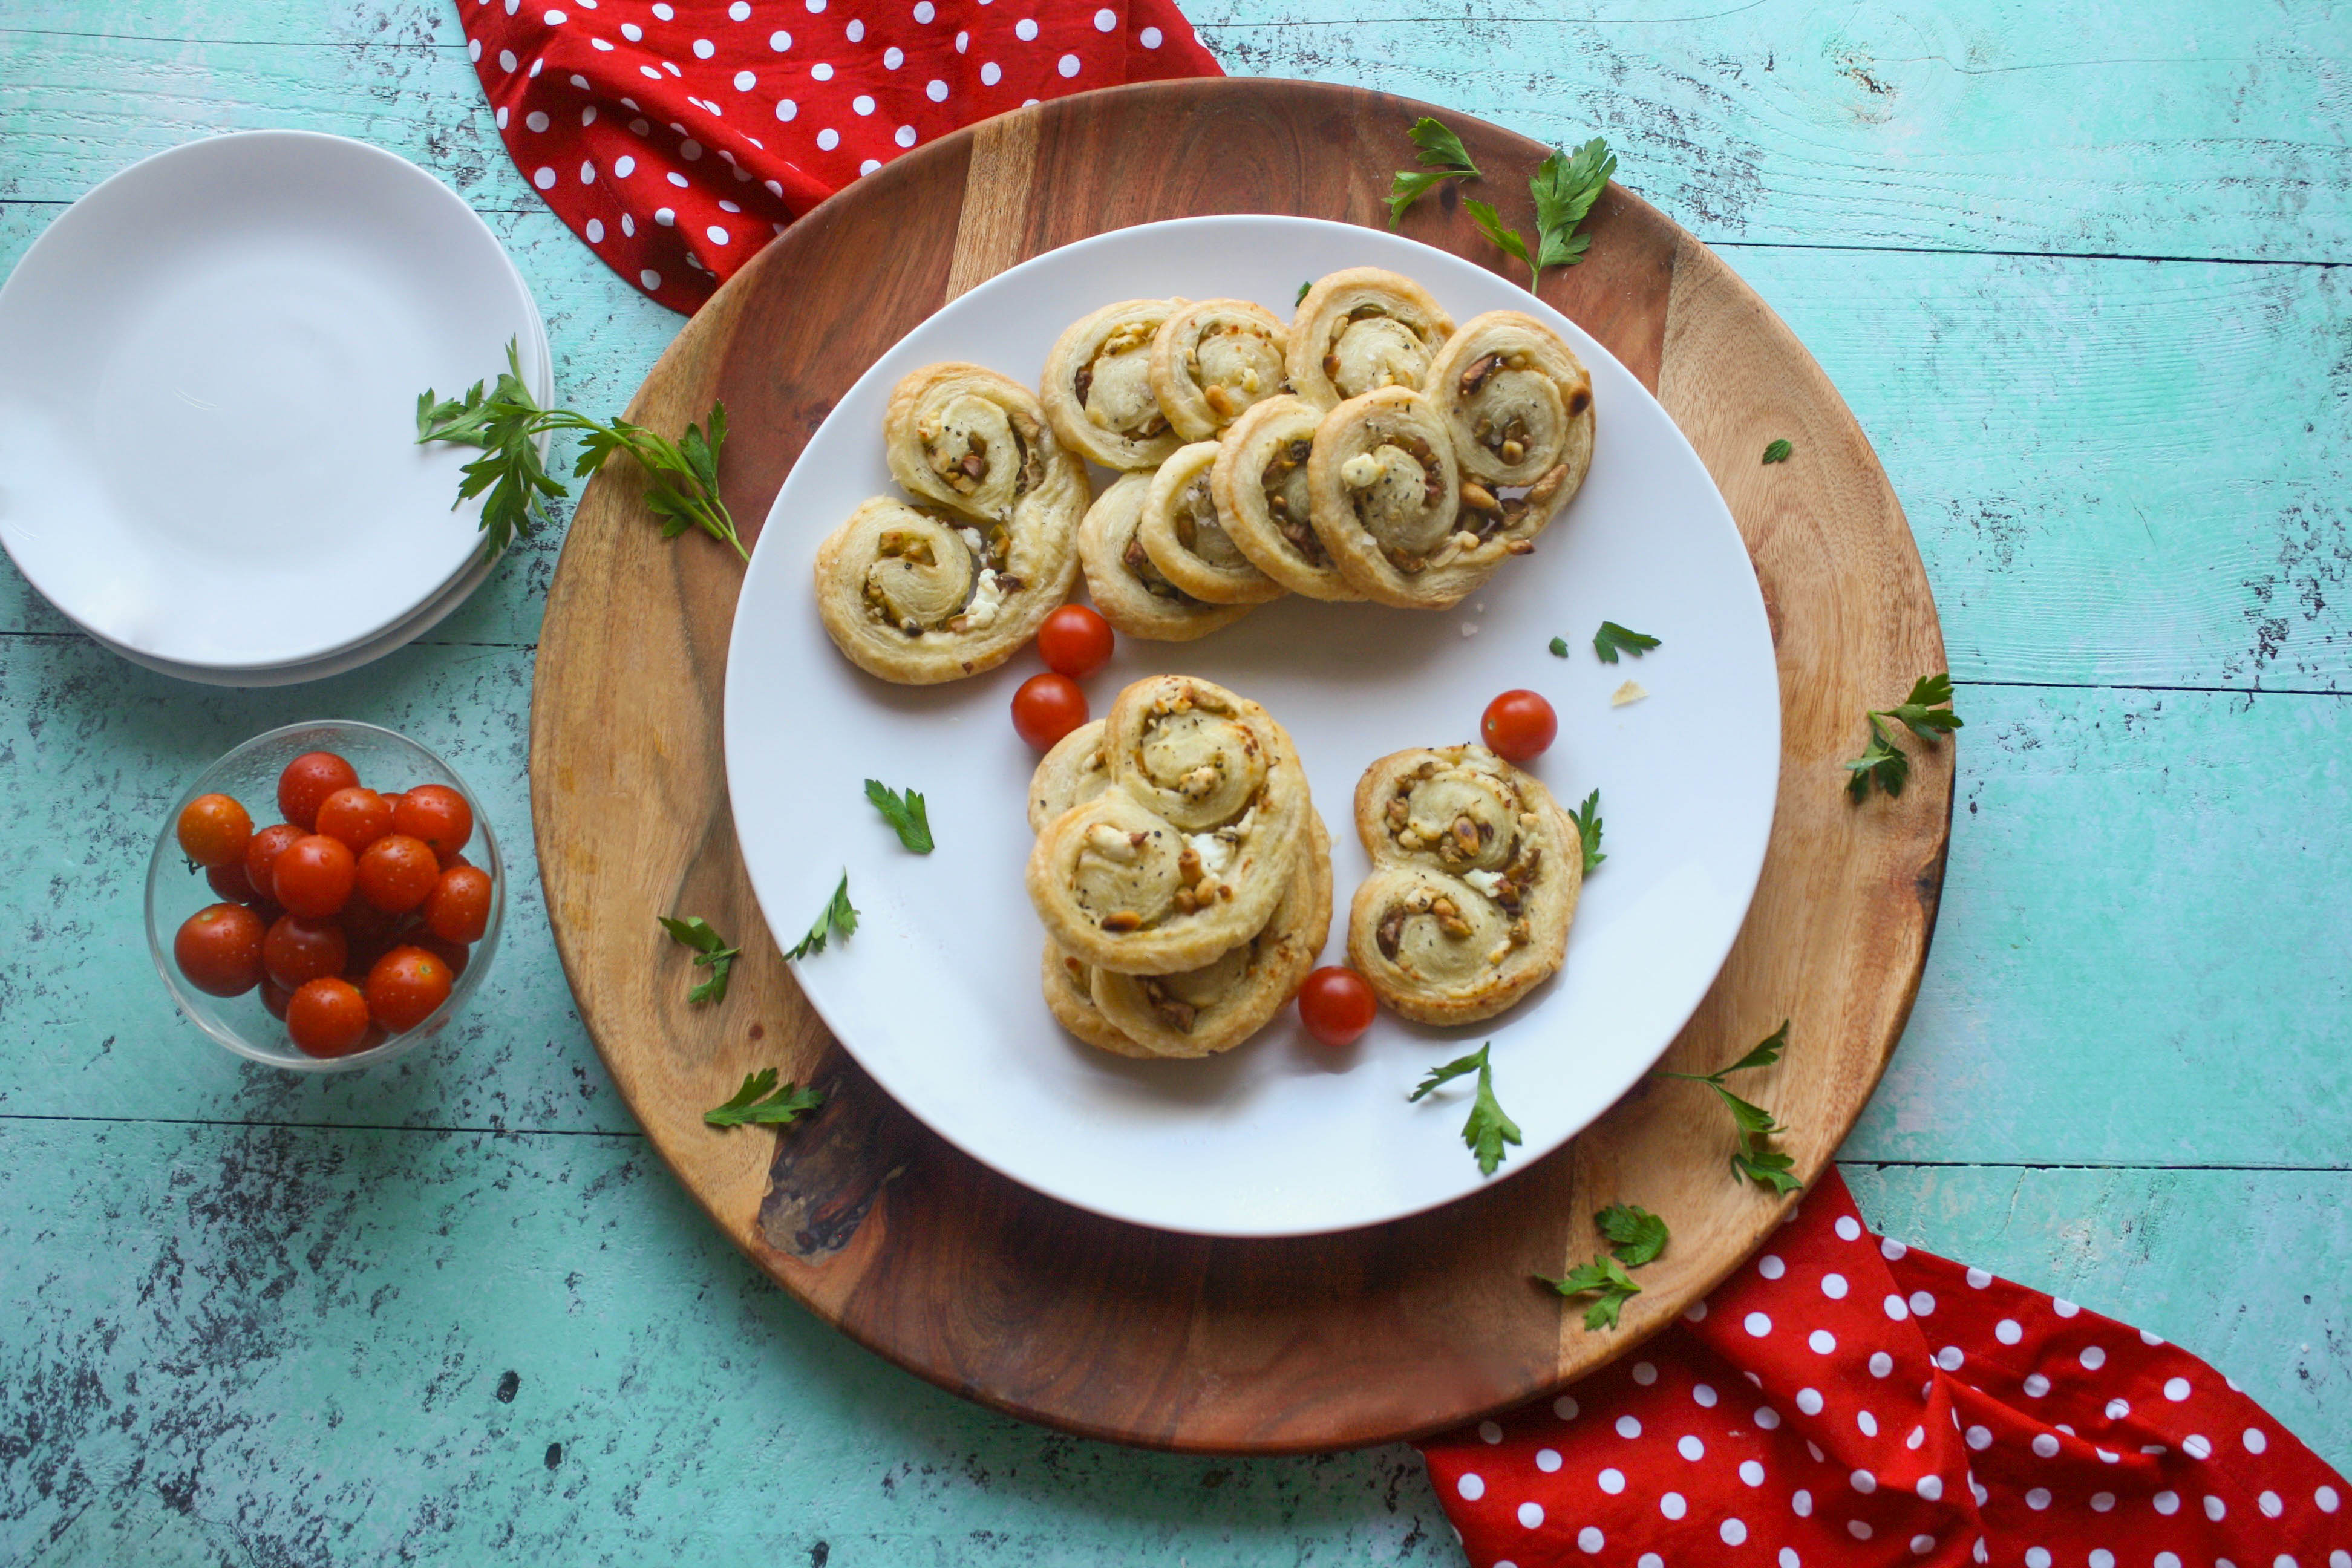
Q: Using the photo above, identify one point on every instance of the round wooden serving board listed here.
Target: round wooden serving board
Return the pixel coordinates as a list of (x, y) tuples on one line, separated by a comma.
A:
[(1006, 1297)]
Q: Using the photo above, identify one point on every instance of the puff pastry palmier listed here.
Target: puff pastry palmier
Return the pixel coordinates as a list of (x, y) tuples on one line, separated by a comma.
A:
[(1519, 404), (1259, 484), (1131, 593), (1189, 851), (1069, 996), (1361, 329), (1385, 499), (1214, 359), (1184, 536), (1475, 872), (976, 442), (1070, 774), (917, 595), (1098, 386)]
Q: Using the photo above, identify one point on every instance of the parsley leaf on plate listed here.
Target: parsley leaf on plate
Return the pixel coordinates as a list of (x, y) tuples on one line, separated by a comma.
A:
[(1560, 648), (1489, 1129), (1587, 818), (1441, 157), (762, 1102), (905, 814), (711, 951), (1302, 292), (1612, 637), (839, 920)]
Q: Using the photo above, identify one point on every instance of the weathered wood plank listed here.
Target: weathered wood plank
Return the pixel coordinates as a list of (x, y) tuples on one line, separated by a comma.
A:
[(2170, 128)]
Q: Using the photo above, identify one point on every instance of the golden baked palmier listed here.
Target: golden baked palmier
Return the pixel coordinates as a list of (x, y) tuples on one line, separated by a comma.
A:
[(1519, 404), (1212, 359), (976, 442), (1259, 485), (1384, 495), (917, 595), (1096, 389), (1184, 536), (1360, 330), (1133, 593)]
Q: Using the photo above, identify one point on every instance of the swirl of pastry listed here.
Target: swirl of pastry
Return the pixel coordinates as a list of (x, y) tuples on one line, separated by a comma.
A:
[(1259, 484), (976, 442), (1361, 329), (1476, 873), (1520, 406), (1071, 773), (1385, 494), (1201, 1012), (1214, 359), (1098, 386), (1069, 996), (1183, 535), (1130, 592), (919, 596), (1192, 847)]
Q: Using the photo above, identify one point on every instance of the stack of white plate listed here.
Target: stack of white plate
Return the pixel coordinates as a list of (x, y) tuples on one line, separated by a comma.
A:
[(209, 368)]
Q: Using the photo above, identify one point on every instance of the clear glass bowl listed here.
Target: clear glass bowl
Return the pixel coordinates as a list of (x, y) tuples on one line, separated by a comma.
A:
[(386, 761)]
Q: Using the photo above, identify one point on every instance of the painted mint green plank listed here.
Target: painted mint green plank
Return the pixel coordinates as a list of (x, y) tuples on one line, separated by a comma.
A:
[(2245, 1269), (275, 1345), (2140, 956), (2168, 129)]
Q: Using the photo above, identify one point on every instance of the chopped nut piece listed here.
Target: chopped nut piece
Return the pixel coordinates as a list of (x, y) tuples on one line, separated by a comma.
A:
[(1121, 923)]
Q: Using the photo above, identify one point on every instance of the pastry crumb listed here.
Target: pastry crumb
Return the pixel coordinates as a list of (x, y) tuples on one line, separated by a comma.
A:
[(1632, 691), (1469, 628)]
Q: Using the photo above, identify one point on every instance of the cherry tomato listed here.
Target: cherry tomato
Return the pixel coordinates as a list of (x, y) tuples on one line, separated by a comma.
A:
[(371, 933), (275, 997), (357, 816), (298, 951), (230, 882), (397, 873), (308, 780), (1074, 641), (261, 855), (313, 876), (436, 814), (214, 830), (453, 954), (1046, 707), (327, 1017), (459, 909), (1337, 1006), (218, 948), (406, 985), (393, 797), (1518, 726)]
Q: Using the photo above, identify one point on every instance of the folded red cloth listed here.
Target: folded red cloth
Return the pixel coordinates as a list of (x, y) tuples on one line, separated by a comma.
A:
[(1844, 1399), (677, 137)]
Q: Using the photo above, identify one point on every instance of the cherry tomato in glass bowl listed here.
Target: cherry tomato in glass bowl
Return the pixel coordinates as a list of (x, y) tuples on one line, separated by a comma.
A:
[(261, 855), (1519, 726), (356, 816), (1337, 1005), (1074, 641), (406, 985), (397, 873), (214, 831), (459, 908), (1046, 707), (437, 815), (327, 1017), (313, 876), (309, 780), (218, 950), (275, 999), (298, 951), (230, 882)]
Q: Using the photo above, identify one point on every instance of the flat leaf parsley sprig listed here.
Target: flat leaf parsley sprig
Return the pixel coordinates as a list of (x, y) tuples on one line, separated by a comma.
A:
[(1636, 1237), (505, 421), (1926, 713), (1489, 1129), (1565, 187), (1441, 157), (762, 1102), (904, 812), (711, 951), (1765, 1167), (839, 920)]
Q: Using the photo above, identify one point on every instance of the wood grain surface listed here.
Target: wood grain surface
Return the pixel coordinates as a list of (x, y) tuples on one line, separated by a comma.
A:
[(1092, 1325)]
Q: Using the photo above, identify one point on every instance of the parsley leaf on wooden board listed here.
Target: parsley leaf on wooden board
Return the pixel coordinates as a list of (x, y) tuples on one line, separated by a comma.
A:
[(1752, 1161), (711, 951), (1565, 187), (1604, 1279), (1926, 713), (1489, 1129), (1587, 818), (839, 920), (1778, 452), (762, 1102), (1490, 224), (505, 421), (1612, 638), (1635, 1235), (905, 814), (1441, 157)]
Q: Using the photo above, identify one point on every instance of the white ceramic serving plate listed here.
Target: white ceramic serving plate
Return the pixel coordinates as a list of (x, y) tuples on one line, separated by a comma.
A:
[(938, 993), (208, 375)]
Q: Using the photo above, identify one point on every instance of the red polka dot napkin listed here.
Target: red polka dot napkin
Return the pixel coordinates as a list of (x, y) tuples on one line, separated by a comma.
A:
[(677, 137), (1845, 1400)]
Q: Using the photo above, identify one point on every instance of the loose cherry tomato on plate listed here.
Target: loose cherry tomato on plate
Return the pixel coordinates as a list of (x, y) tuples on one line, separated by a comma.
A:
[(397, 873), (1337, 1005), (261, 855), (313, 876), (214, 831), (308, 780), (358, 816), (298, 951), (1074, 641), (327, 1017), (459, 909), (1046, 707), (406, 985), (218, 949), (1518, 726), (436, 814)]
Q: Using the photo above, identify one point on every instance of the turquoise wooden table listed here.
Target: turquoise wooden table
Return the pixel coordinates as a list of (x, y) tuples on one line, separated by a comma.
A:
[(2078, 269)]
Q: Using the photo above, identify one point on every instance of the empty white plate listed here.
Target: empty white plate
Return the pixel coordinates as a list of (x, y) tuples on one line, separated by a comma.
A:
[(209, 367), (936, 994)]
